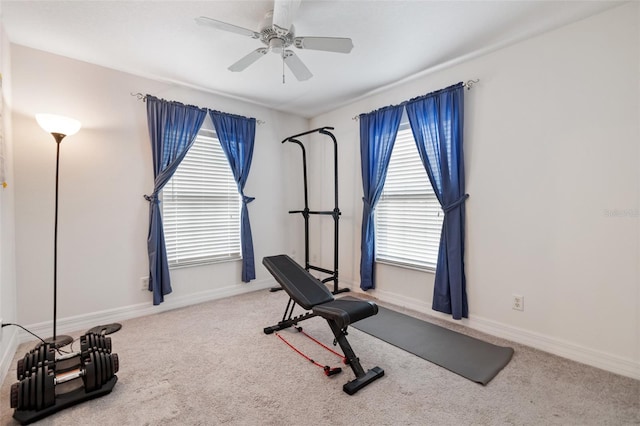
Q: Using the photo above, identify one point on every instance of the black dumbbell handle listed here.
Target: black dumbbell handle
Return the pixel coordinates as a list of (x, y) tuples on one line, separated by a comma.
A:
[(67, 377), (75, 374), (68, 356)]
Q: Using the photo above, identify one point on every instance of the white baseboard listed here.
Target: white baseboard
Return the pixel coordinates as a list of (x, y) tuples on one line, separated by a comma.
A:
[(560, 347), (566, 349), (8, 349), (87, 321)]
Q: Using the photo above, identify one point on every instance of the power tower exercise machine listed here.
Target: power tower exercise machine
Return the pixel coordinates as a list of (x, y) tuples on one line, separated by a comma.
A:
[(312, 295), (307, 213)]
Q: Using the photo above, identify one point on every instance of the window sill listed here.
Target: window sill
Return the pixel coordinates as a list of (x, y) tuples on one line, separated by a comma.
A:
[(407, 266), (204, 262)]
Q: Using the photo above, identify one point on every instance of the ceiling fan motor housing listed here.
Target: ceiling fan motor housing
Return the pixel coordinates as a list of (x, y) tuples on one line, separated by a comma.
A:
[(275, 39)]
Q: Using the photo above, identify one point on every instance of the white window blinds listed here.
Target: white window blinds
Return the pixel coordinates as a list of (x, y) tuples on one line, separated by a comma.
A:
[(201, 207), (408, 215)]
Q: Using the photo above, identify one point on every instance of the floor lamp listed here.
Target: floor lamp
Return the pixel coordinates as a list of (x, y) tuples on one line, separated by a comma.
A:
[(59, 127)]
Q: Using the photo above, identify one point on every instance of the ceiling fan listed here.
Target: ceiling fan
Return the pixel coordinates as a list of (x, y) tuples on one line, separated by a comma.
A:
[(277, 33)]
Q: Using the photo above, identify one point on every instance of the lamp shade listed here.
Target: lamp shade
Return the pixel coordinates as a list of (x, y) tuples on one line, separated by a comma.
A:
[(58, 124)]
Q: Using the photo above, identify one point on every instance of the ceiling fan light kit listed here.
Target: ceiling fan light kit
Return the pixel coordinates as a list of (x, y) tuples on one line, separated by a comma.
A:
[(277, 33)]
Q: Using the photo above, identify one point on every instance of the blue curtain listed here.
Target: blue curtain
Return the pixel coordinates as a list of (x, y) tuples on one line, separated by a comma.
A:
[(237, 135), (173, 128), (378, 130), (436, 122)]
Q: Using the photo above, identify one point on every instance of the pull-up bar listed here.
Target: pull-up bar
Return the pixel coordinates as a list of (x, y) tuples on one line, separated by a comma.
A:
[(323, 130)]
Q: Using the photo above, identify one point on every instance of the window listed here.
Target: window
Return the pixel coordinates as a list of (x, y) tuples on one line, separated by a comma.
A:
[(408, 215), (201, 207)]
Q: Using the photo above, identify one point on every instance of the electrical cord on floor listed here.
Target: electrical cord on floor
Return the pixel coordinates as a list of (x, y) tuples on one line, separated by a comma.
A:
[(60, 351), (18, 325)]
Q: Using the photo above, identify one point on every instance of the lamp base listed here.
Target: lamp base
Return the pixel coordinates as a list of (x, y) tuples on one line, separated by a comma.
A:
[(59, 341)]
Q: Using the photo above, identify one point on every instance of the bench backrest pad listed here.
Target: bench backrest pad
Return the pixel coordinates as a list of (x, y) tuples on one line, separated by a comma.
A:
[(305, 289)]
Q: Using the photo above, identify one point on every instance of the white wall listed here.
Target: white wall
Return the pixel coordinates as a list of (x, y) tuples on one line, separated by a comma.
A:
[(8, 335), (104, 171), (551, 141)]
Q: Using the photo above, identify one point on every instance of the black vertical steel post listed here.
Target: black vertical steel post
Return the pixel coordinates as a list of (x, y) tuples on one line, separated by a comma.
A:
[(336, 210), (305, 212)]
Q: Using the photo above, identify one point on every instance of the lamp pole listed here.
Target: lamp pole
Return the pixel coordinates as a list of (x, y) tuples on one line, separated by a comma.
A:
[(59, 127), (56, 341)]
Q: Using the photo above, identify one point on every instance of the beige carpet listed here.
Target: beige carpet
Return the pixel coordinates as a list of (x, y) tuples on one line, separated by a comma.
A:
[(211, 364)]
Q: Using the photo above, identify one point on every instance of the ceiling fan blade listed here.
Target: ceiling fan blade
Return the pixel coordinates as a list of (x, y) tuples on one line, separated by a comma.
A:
[(284, 11), (243, 63), (328, 44), (208, 22), (299, 70)]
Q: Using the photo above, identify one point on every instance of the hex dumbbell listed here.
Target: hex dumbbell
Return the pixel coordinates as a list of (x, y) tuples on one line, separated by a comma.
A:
[(44, 354), (37, 391)]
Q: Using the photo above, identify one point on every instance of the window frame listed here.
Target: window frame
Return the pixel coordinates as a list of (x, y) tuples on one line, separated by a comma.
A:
[(433, 214), (175, 260)]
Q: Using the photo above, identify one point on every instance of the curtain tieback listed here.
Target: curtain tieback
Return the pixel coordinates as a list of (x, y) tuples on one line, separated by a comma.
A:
[(455, 204), (366, 203), (246, 199), (152, 198)]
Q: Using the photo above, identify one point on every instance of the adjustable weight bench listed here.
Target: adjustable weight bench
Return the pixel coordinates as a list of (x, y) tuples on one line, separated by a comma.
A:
[(312, 295)]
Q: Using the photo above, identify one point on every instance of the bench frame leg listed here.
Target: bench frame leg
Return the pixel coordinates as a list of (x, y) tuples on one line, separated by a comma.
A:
[(288, 320), (362, 378)]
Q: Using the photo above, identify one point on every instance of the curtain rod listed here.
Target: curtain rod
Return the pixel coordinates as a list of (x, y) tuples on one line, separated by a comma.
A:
[(469, 84), (143, 98)]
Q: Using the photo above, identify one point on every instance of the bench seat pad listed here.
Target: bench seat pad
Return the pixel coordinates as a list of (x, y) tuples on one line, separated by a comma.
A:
[(345, 312)]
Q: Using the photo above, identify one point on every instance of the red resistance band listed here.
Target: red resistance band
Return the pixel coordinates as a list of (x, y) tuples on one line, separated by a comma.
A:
[(342, 357), (328, 371)]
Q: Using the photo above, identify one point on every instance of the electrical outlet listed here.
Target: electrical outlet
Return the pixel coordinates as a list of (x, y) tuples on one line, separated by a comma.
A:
[(518, 302), (144, 283)]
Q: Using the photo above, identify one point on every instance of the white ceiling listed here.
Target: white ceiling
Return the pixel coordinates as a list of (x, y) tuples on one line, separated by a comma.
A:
[(393, 40)]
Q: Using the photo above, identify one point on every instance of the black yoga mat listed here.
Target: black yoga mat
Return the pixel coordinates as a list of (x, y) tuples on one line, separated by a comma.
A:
[(471, 358)]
